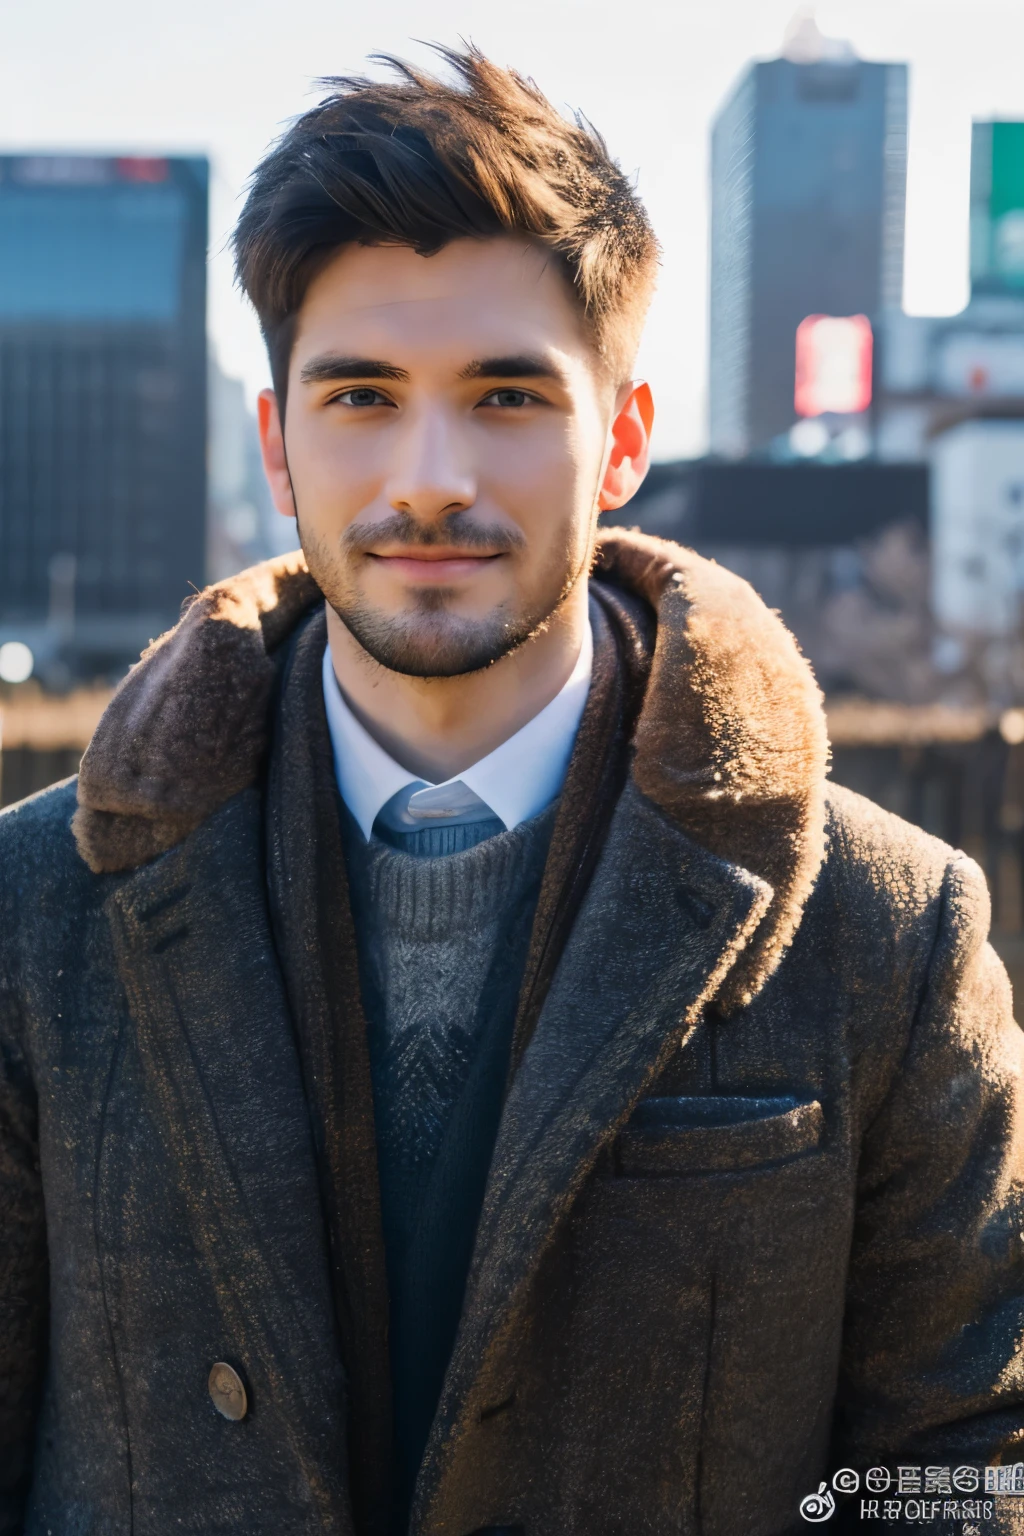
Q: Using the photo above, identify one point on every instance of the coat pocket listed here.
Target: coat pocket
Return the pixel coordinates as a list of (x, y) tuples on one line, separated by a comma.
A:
[(715, 1134)]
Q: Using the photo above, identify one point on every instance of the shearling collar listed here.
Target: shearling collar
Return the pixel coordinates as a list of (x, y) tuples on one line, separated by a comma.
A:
[(730, 742)]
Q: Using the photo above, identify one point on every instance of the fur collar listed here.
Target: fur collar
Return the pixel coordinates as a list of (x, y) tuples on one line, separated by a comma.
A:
[(730, 742)]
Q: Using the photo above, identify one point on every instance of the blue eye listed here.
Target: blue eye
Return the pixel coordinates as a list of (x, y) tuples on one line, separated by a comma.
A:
[(510, 399), (363, 396)]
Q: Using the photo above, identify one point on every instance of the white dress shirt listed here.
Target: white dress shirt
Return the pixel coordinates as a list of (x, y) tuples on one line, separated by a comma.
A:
[(516, 781)]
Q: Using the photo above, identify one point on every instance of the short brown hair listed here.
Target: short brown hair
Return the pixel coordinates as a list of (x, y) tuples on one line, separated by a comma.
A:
[(420, 162)]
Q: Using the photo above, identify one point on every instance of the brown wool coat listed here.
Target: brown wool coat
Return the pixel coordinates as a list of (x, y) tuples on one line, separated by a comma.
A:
[(755, 1207)]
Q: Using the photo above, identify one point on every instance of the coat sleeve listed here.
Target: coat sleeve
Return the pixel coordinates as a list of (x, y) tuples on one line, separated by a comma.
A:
[(23, 1277), (933, 1354)]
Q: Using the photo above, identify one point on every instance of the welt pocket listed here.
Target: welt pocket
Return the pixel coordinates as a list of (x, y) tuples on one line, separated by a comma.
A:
[(715, 1134)]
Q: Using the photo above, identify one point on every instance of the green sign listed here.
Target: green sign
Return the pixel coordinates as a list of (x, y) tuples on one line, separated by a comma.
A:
[(997, 208)]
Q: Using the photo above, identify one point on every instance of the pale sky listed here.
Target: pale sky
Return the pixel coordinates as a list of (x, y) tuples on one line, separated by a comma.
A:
[(222, 79)]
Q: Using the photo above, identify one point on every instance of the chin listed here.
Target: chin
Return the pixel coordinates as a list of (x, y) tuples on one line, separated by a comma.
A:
[(432, 641)]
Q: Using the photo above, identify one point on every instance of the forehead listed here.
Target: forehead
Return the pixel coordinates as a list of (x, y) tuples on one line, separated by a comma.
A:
[(475, 297)]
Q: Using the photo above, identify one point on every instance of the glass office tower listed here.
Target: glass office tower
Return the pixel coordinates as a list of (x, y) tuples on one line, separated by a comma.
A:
[(808, 178), (102, 403)]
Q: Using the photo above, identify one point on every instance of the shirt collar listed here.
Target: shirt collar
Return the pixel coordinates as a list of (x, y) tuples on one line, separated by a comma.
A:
[(517, 780)]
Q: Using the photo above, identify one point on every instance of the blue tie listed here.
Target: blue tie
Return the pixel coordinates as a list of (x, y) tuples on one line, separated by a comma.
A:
[(430, 821)]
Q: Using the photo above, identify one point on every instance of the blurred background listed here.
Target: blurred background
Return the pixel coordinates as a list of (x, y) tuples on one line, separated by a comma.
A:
[(836, 348)]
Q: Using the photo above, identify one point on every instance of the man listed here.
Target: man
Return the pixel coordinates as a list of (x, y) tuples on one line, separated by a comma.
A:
[(463, 1070)]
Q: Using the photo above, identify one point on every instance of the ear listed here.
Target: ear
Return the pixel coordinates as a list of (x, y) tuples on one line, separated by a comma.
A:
[(630, 447), (275, 464)]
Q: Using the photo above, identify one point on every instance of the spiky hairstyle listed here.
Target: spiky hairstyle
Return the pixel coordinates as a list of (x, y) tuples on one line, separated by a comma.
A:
[(420, 161)]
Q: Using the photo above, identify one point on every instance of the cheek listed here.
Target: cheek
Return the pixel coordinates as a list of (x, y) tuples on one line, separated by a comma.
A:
[(550, 491), (335, 474), (554, 460)]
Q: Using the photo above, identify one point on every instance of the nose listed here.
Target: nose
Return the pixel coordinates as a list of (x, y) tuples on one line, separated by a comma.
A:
[(430, 473)]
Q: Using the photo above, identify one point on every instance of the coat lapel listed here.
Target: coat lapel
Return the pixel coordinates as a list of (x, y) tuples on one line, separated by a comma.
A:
[(662, 922), (595, 779), (222, 1074), (315, 938)]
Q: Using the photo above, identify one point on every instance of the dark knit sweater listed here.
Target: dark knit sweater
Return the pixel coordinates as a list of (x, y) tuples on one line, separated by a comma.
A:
[(442, 944)]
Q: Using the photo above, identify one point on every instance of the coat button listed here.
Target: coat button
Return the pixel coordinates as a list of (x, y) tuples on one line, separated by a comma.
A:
[(227, 1392)]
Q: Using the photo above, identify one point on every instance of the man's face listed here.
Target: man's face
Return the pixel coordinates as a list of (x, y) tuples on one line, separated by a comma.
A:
[(446, 435)]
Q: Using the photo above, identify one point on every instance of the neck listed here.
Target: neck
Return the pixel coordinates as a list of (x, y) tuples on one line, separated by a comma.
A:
[(436, 727)]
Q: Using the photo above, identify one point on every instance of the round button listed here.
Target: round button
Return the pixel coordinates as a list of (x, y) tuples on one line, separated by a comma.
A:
[(227, 1392)]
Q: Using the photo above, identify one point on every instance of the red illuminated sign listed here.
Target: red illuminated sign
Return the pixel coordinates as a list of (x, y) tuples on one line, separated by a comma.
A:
[(833, 364), (142, 168)]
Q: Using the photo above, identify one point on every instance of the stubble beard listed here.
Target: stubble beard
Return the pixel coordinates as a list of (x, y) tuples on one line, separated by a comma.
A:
[(429, 639)]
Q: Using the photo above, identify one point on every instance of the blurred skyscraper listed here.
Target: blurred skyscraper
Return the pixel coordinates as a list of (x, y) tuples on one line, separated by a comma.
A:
[(808, 180), (102, 403)]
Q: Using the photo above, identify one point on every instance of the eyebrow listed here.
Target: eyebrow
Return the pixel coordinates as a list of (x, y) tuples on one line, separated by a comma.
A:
[(322, 370), (520, 365)]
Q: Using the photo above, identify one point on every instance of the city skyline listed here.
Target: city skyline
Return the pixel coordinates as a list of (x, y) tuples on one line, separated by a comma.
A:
[(194, 81)]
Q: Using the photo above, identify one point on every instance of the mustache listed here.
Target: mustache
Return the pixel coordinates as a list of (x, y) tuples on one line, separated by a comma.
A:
[(459, 530)]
